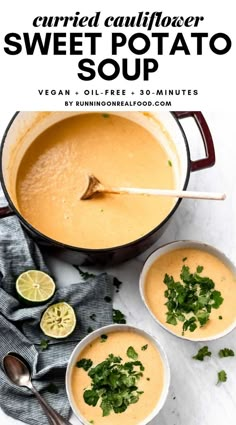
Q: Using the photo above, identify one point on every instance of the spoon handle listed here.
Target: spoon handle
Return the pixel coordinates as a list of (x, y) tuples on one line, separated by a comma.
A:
[(53, 417), (165, 192)]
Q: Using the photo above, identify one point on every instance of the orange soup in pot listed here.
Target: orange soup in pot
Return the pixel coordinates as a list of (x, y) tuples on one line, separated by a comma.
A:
[(119, 152)]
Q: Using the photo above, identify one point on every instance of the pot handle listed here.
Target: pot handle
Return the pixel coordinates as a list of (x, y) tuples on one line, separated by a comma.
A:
[(5, 212), (199, 119)]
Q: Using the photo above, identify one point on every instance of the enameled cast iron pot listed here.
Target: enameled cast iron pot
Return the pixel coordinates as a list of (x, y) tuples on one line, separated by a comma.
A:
[(24, 127)]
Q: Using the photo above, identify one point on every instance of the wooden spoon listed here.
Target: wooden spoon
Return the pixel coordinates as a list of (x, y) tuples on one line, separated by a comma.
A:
[(94, 186)]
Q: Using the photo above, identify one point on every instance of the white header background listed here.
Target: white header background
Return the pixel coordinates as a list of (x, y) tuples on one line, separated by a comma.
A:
[(212, 75)]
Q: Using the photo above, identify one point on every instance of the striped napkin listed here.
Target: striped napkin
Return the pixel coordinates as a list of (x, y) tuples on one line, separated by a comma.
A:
[(20, 331)]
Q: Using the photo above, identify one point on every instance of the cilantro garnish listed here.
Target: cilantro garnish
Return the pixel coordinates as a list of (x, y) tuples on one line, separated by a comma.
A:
[(220, 317), (226, 352), (105, 115), (114, 385), (89, 330), (202, 353), (84, 364), (184, 259), (93, 316), (131, 353), (144, 347), (118, 317), (222, 376), (104, 338), (52, 388), (44, 344), (169, 163), (191, 299)]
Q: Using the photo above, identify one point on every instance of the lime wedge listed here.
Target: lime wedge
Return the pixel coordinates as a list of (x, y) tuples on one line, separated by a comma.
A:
[(58, 321), (35, 287)]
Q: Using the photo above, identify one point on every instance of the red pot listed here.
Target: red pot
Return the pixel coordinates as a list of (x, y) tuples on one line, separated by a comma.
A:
[(24, 127)]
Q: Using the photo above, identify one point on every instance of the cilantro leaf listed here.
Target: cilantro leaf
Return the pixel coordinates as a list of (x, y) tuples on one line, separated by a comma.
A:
[(131, 353), (222, 376), (226, 352), (190, 324), (171, 318), (144, 347), (202, 353), (118, 317), (104, 338), (91, 397), (117, 283), (44, 344), (200, 269), (84, 364), (83, 274), (203, 317), (217, 298)]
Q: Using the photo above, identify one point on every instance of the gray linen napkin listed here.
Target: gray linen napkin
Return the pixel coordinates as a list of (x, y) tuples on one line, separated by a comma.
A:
[(20, 331)]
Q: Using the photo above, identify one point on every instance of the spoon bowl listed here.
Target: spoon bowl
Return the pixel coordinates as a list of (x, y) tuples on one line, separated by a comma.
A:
[(18, 372)]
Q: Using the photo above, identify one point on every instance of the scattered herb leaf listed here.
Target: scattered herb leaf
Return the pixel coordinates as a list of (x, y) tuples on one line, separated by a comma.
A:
[(83, 274), (93, 317), (131, 353), (84, 364), (104, 338), (107, 299), (92, 421), (220, 317), (105, 115), (52, 388), (144, 347), (185, 258), (44, 344), (226, 352), (202, 353), (118, 317), (222, 376), (148, 379), (117, 283), (170, 163), (114, 385), (89, 330)]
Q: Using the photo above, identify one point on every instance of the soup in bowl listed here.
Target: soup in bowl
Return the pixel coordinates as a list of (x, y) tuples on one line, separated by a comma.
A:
[(190, 290), (117, 374)]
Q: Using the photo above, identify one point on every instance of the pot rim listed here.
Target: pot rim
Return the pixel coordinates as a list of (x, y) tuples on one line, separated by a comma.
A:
[(109, 329), (182, 243), (52, 241)]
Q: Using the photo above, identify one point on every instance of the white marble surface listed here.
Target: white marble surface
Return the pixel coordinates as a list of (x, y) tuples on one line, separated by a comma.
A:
[(194, 398)]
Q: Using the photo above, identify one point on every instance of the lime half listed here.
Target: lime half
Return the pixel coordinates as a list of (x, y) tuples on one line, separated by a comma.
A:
[(58, 321), (35, 287)]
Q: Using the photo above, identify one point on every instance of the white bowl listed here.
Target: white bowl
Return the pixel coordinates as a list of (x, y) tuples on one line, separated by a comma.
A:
[(106, 330), (171, 247)]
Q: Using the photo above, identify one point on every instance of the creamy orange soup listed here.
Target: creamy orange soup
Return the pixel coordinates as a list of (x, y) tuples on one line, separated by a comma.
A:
[(151, 383), (119, 152), (225, 282)]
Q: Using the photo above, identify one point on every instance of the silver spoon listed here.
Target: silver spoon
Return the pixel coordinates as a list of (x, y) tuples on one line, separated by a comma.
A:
[(94, 186), (18, 372)]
